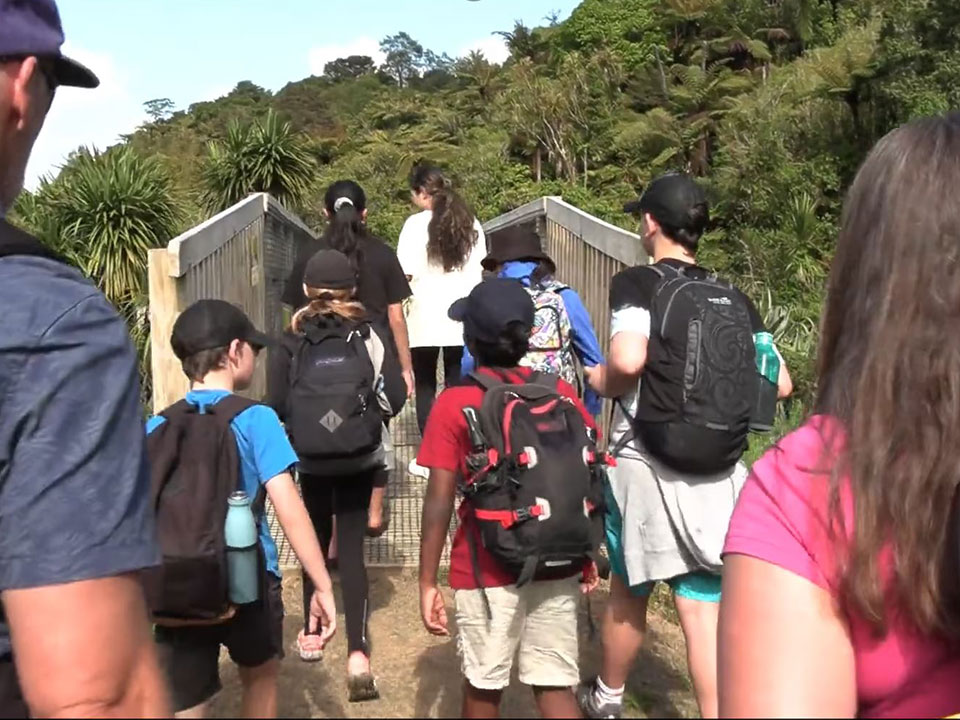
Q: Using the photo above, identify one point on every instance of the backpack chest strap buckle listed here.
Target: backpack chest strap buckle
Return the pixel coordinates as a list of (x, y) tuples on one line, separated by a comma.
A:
[(509, 518)]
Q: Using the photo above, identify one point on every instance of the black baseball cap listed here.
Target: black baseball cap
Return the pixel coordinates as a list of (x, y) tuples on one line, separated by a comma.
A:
[(491, 306), (209, 324), (329, 270), (31, 28), (670, 199)]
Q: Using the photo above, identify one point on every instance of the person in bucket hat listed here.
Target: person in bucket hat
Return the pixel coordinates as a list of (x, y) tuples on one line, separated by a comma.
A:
[(563, 333)]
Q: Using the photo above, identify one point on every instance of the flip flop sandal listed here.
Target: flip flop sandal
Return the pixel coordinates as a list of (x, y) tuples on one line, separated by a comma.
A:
[(362, 688), (307, 654)]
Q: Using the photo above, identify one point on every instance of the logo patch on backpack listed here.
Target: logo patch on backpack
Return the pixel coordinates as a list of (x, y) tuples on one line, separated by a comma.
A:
[(331, 421)]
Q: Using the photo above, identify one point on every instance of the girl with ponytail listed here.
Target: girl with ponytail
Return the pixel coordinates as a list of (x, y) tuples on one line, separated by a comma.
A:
[(440, 249), (381, 287)]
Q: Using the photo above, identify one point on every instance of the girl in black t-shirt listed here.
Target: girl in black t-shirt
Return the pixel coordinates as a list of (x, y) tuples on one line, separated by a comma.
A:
[(381, 288)]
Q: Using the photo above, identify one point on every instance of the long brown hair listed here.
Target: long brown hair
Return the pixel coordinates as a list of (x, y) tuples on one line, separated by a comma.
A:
[(451, 232), (328, 303), (890, 373)]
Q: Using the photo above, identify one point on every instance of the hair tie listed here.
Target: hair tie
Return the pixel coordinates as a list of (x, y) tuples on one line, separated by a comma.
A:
[(340, 202)]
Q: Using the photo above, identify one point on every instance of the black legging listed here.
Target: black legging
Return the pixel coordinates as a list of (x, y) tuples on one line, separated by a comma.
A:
[(425, 376), (349, 499)]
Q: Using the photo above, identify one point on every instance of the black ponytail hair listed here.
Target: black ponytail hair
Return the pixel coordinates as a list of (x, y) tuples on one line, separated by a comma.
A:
[(345, 202)]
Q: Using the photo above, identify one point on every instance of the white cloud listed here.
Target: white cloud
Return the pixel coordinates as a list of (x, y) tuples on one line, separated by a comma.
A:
[(318, 57), (85, 117), (494, 49)]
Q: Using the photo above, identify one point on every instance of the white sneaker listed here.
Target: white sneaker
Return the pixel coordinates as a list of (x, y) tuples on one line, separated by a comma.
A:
[(418, 470)]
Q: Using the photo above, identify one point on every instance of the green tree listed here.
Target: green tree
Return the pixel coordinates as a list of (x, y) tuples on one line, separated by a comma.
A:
[(109, 208), (404, 58), (265, 156), (563, 114), (159, 109), (349, 68), (480, 74)]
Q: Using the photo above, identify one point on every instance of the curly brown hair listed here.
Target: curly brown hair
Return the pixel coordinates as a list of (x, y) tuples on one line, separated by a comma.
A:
[(451, 232), (890, 373)]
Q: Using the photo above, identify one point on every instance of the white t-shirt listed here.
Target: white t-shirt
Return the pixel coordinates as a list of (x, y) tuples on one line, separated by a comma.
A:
[(434, 290)]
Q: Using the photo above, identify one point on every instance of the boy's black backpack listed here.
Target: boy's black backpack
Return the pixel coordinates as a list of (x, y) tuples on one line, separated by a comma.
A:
[(535, 477), (194, 467), (332, 409), (699, 384)]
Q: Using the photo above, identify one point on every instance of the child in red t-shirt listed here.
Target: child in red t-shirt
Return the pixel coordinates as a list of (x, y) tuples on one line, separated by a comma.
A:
[(540, 619)]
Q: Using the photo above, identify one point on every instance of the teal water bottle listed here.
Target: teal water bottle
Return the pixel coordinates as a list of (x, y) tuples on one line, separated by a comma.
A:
[(240, 533), (768, 374)]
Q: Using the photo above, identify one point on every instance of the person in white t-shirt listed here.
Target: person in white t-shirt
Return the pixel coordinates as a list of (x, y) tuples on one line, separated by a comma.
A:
[(441, 250)]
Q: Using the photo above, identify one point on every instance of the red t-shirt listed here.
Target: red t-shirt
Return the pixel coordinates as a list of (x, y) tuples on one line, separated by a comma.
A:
[(445, 446), (782, 517)]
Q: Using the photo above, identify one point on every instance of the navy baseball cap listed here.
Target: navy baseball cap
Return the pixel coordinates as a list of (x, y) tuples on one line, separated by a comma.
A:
[(31, 28), (491, 306)]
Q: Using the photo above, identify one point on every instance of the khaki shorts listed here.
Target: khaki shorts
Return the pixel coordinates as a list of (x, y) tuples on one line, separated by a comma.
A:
[(539, 619)]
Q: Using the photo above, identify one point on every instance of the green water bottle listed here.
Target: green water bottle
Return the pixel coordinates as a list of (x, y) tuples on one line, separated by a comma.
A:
[(768, 373)]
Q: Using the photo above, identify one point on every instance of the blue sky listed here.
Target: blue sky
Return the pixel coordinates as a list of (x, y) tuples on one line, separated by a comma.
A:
[(193, 50)]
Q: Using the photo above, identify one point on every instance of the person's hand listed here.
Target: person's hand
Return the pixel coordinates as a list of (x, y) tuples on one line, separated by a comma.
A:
[(408, 379), (323, 615), (433, 612), (595, 377), (589, 578)]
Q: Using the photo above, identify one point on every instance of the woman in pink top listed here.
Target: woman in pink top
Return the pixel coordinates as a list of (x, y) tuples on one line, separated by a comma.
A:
[(839, 581)]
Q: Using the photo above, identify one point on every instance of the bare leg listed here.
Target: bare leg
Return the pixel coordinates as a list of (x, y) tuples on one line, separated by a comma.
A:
[(480, 703), (260, 689), (698, 619), (556, 702), (624, 625), (375, 516)]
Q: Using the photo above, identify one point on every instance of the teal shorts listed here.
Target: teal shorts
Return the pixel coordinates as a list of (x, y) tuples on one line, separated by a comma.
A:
[(698, 585)]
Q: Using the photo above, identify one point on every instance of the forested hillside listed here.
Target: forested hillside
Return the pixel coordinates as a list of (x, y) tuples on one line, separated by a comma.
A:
[(773, 103)]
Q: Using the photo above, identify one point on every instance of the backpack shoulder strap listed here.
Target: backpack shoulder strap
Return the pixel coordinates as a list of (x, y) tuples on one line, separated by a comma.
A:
[(359, 338), (544, 379), (230, 406), (485, 381), (375, 350), (177, 410)]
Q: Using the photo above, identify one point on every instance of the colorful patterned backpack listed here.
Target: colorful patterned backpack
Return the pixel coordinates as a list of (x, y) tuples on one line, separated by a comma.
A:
[(551, 344)]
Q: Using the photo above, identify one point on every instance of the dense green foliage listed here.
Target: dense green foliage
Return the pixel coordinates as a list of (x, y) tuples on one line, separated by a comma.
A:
[(774, 103)]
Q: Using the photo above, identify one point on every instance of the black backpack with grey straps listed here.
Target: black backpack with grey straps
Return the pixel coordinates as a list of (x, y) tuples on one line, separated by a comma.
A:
[(701, 336)]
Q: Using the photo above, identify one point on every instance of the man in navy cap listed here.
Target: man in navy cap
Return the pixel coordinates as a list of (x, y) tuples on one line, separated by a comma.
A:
[(75, 521)]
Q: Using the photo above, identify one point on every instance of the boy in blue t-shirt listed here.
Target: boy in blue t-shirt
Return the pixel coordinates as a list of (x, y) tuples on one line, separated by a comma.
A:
[(217, 345)]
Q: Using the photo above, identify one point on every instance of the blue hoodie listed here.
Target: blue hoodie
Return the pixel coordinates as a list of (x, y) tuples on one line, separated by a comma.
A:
[(584, 339)]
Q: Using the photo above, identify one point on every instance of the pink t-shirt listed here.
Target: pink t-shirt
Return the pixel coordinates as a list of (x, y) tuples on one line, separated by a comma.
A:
[(781, 517)]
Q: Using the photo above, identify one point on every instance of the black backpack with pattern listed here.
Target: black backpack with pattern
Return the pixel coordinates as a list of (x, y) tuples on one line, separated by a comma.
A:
[(700, 330)]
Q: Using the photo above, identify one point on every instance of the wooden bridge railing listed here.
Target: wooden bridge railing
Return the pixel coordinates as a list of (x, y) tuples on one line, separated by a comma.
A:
[(243, 255), (588, 253)]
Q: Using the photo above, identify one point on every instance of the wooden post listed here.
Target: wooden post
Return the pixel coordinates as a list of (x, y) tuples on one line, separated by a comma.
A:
[(169, 382)]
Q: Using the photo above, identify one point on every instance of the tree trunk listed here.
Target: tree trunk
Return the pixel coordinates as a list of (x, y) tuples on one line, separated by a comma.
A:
[(538, 164)]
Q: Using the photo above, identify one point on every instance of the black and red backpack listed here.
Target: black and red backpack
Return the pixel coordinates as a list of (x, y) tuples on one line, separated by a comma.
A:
[(534, 478)]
